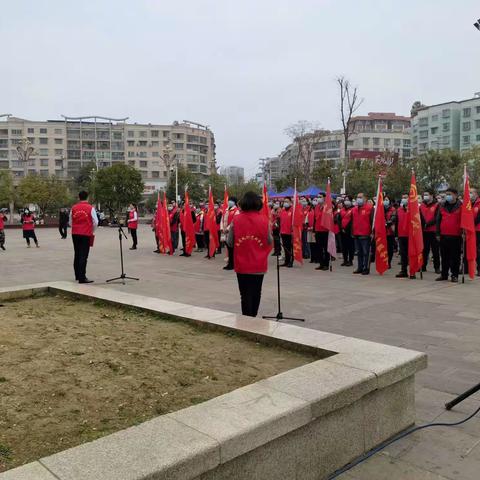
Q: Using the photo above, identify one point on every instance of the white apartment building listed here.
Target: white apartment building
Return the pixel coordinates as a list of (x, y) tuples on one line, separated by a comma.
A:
[(62, 147), (234, 175)]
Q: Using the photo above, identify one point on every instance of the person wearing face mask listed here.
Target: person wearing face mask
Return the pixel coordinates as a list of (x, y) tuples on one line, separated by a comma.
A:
[(475, 199), (28, 227), (390, 222), (362, 218), (275, 224), (305, 245), (310, 221), (321, 235), (346, 239), (450, 233), (428, 215), (228, 217), (401, 229), (198, 227), (286, 231), (174, 219), (132, 224)]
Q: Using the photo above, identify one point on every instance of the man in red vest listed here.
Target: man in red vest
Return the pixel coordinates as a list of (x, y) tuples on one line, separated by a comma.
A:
[(476, 218), (428, 215), (450, 232), (402, 235), (84, 221), (362, 219)]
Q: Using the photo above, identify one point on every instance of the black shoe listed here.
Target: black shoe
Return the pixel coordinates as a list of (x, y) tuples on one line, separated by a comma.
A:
[(2, 247), (401, 275), (438, 271), (357, 271), (478, 272), (344, 264), (349, 264), (133, 248), (319, 268), (187, 255), (85, 280), (183, 255), (325, 268), (284, 264), (412, 277), (290, 265), (227, 267), (454, 279), (366, 272), (424, 269), (156, 251), (441, 278)]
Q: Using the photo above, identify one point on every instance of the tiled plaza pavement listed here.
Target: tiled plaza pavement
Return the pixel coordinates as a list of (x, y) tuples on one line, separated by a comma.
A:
[(441, 319)]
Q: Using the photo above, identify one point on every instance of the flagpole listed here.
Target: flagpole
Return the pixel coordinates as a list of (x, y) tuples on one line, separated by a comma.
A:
[(372, 237)]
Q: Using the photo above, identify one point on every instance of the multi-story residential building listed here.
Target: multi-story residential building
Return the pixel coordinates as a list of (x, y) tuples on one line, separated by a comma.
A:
[(234, 175), (62, 147), (452, 125)]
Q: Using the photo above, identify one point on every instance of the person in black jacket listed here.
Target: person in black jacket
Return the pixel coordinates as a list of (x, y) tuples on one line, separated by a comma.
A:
[(63, 223)]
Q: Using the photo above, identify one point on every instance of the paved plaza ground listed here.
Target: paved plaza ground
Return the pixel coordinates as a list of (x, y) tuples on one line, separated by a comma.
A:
[(439, 318)]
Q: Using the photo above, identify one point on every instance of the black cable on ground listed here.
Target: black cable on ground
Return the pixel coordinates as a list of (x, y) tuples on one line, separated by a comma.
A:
[(395, 438)]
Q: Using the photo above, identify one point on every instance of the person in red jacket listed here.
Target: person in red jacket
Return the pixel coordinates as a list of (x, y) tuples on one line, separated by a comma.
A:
[(174, 219), (227, 220), (132, 224), (250, 237), (450, 234), (475, 199), (321, 234), (401, 230), (28, 227), (286, 231), (310, 222), (390, 223), (362, 219), (428, 216), (3, 219), (346, 239), (84, 221)]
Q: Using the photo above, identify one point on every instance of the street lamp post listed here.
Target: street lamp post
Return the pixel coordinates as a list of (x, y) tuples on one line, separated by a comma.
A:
[(168, 159), (25, 151)]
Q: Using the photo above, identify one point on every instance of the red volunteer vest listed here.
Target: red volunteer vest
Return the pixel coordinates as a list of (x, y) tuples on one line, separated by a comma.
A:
[(28, 226), (402, 216), (310, 218), (450, 224), (388, 216), (361, 220), (286, 222), (476, 211), (132, 225), (429, 212), (346, 216), (82, 223), (2, 222), (231, 212), (251, 247), (318, 219), (198, 224)]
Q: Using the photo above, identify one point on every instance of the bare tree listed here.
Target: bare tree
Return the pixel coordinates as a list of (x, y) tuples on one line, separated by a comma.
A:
[(304, 135), (349, 104)]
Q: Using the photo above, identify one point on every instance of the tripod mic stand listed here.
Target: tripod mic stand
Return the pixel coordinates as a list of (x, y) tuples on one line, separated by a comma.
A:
[(122, 276), (279, 316)]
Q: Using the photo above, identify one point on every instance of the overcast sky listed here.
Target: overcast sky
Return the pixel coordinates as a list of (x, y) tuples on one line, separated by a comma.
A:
[(246, 68)]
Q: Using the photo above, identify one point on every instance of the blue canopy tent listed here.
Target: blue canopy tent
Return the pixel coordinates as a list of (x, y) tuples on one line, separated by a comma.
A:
[(271, 194), (311, 191), (289, 192)]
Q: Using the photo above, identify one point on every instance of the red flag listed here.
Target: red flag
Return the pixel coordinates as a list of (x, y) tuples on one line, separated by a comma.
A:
[(265, 208), (160, 224), (468, 225), (211, 225), (225, 200), (167, 235), (415, 235), (187, 225), (381, 252), (297, 229)]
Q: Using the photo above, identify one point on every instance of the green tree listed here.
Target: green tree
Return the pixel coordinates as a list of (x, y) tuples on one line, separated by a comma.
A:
[(196, 191), (472, 159), (362, 177), (116, 186), (49, 193), (434, 168), (85, 176), (217, 182), (240, 189), (397, 180), (7, 190)]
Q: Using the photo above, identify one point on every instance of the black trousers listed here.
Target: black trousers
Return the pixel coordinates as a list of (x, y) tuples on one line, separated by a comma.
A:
[(287, 248), (277, 246), (322, 244), (219, 249), (199, 237), (348, 247), (390, 248), (450, 251), (63, 230), (313, 252), (133, 233), (230, 257), (403, 247), (250, 286), (430, 242), (81, 247), (174, 236)]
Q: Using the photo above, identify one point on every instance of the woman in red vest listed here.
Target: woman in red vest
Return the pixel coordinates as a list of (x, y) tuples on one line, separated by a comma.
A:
[(428, 215), (346, 239), (3, 219), (28, 227), (402, 234), (250, 236), (132, 223)]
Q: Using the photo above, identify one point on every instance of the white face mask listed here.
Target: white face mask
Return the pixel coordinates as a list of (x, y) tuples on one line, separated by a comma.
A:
[(286, 205), (426, 198), (321, 200), (315, 201), (360, 201), (404, 202), (348, 203)]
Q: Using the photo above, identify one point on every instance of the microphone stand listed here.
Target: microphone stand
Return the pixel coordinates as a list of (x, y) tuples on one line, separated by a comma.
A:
[(279, 316), (122, 276)]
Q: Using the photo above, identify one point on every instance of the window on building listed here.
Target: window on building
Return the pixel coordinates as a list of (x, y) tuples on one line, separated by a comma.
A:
[(165, 133), (43, 131), (43, 141), (422, 134), (117, 135), (446, 113), (58, 151), (406, 142), (155, 133), (131, 154), (142, 154), (131, 162), (15, 131), (131, 143), (478, 138), (434, 130), (155, 174), (477, 123), (178, 146), (466, 126), (131, 133), (58, 131), (423, 122), (386, 142), (477, 109), (405, 152), (43, 151), (44, 162), (155, 154), (466, 139), (434, 118), (31, 130), (178, 136), (397, 142), (59, 141), (142, 143), (44, 173), (58, 163), (142, 133), (366, 141), (143, 164), (376, 141), (467, 112), (446, 127)]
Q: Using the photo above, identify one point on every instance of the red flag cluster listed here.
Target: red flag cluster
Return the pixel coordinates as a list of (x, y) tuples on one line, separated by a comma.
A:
[(162, 226), (211, 225), (468, 224), (187, 225), (415, 235), (381, 251)]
